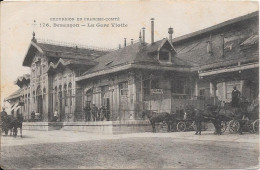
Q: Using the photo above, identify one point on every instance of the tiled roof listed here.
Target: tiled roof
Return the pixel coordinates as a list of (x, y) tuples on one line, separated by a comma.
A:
[(59, 51), (135, 53), (15, 94), (197, 53), (236, 35), (71, 50), (216, 27)]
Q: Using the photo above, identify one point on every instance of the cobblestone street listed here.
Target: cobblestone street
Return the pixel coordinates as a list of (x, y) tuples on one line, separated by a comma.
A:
[(67, 150)]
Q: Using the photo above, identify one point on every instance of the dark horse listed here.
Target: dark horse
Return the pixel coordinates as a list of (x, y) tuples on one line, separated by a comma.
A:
[(209, 114), (11, 123), (155, 117)]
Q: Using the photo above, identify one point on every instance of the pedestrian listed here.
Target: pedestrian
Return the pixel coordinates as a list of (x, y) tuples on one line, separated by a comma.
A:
[(198, 118), (87, 110), (94, 111), (33, 116), (56, 115), (3, 115), (235, 97)]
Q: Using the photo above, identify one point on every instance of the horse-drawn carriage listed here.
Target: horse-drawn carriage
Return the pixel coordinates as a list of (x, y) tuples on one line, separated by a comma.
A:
[(245, 117), (187, 122), (242, 118), (10, 123)]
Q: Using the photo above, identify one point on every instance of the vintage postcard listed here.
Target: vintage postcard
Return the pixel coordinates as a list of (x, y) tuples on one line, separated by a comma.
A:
[(130, 85)]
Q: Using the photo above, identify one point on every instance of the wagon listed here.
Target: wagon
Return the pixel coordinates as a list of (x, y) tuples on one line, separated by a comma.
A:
[(184, 125), (246, 117), (251, 126)]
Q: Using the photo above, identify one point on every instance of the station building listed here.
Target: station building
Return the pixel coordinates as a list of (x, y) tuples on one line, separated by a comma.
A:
[(199, 68)]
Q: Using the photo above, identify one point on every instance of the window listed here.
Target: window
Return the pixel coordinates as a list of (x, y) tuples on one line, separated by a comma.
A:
[(155, 83), (38, 68), (147, 85), (70, 93), (56, 96), (202, 92), (123, 88), (65, 94), (178, 86), (164, 56)]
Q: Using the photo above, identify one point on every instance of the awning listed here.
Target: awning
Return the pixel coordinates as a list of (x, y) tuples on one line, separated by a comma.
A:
[(229, 69)]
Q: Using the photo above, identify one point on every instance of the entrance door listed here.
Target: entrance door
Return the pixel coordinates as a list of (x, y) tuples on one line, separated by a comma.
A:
[(39, 104), (123, 100), (60, 107)]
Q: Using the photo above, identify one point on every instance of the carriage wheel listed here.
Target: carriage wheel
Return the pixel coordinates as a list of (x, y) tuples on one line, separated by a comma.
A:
[(223, 126), (234, 126), (181, 126), (251, 127), (256, 126)]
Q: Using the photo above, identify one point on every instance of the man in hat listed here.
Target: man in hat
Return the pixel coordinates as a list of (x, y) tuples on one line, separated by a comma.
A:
[(235, 97), (198, 119)]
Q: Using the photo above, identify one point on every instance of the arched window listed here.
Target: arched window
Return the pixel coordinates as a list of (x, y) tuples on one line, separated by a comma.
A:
[(39, 91), (65, 94), (28, 103), (70, 93), (33, 96)]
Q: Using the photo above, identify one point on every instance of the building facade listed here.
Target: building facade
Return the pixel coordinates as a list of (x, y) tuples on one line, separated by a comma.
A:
[(199, 68)]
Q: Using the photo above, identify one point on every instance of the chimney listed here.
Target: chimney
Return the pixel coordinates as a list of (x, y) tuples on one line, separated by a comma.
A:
[(143, 35), (132, 41), (140, 36), (119, 46), (34, 39), (170, 31), (125, 42), (152, 30)]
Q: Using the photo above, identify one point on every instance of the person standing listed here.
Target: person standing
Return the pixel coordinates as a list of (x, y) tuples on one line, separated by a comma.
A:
[(56, 115), (33, 116), (3, 115), (94, 111), (235, 97), (198, 118), (87, 112)]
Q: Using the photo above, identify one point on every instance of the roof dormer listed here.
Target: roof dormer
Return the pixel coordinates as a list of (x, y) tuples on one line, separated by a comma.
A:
[(165, 52)]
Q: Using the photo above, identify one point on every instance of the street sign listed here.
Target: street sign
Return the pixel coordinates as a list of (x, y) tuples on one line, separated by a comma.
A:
[(157, 91)]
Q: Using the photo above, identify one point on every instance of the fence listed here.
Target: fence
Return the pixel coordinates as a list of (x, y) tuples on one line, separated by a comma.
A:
[(71, 106)]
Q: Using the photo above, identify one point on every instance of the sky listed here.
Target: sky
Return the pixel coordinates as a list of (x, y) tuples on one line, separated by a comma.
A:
[(17, 25)]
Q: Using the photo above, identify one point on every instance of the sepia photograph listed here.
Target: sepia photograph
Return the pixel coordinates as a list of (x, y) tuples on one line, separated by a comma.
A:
[(129, 85)]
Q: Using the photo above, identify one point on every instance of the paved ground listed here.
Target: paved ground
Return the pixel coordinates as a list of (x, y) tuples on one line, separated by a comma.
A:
[(70, 150)]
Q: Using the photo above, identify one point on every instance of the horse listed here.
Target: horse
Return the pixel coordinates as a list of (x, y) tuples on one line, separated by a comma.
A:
[(173, 118), (17, 123), (210, 114), (6, 123), (155, 117), (11, 123)]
